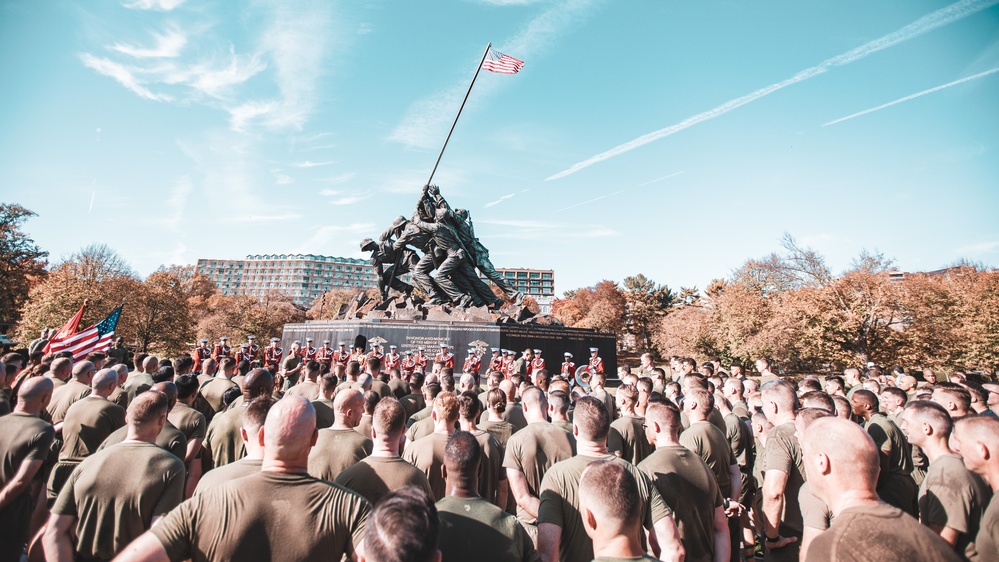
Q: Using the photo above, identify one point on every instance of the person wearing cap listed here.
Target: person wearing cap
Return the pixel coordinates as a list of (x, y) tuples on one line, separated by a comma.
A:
[(308, 353), (568, 367), (222, 349), (201, 354), (421, 360), (252, 348), (445, 357), (273, 354), (537, 363), (341, 355), (407, 364), (507, 363), (324, 355), (376, 353), (496, 362), (596, 363), (244, 353), (472, 363), (391, 359)]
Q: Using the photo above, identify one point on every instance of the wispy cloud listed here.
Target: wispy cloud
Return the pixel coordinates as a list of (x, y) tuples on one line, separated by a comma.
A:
[(168, 45), (913, 96), (426, 121), (274, 217), (500, 200), (925, 24), (979, 248), (325, 234), (336, 180), (280, 178), (350, 199), (122, 74), (618, 192), (161, 5), (311, 164), (541, 230)]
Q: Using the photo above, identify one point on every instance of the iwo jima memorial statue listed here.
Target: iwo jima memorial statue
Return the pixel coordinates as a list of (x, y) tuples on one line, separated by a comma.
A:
[(437, 248)]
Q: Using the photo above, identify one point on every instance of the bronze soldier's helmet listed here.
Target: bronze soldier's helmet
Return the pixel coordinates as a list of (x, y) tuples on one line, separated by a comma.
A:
[(368, 245), (399, 221)]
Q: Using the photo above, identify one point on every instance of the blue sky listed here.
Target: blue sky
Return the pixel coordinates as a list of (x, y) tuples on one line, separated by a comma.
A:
[(672, 138)]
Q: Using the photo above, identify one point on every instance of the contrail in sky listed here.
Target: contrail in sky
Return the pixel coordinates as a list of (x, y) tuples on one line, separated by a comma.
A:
[(92, 197), (927, 23), (595, 199), (913, 96)]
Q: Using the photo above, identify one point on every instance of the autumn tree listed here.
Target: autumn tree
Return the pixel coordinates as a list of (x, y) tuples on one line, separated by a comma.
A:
[(646, 304), (95, 274), (22, 264), (601, 307), (162, 317), (685, 331)]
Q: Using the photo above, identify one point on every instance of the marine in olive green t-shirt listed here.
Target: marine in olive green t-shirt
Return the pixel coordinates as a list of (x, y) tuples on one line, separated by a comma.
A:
[(188, 421), (223, 437), (475, 529), (23, 438), (335, 450), (170, 439), (324, 413), (266, 516), (427, 454), (987, 540), (627, 436), (952, 496), (225, 474), (532, 451), (87, 424), (710, 443), (783, 453), (560, 504), (375, 477), (115, 493)]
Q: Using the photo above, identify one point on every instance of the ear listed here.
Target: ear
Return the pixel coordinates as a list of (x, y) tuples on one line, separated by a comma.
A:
[(822, 461), (260, 436), (983, 451), (437, 556), (244, 435), (589, 520), (315, 437), (444, 472)]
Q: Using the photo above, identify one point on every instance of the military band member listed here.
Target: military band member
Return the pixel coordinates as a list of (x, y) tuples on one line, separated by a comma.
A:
[(445, 357), (273, 354), (341, 356), (537, 363), (391, 359), (407, 365), (421, 360), (308, 353), (252, 348), (244, 353), (222, 349), (376, 352), (201, 354), (324, 356), (496, 363), (472, 363), (568, 367), (357, 354), (596, 363)]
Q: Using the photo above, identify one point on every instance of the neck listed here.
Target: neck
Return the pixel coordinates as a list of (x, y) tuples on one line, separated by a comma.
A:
[(846, 498), (28, 408), (664, 440), (590, 448), (495, 416), (783, 417), (144, 434), (696, 416), (289, 466), (254, 453), (534, 416), (341, 423), (463, 488), (385, 447), (620, 545), (935, 448), (468, 425), (444, 428)]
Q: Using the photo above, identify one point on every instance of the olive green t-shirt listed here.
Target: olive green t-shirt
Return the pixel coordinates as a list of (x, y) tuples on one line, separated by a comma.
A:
[(427, 454), (213, 390), (710, 443), (189, 421), (955, 497), (364, 426), (137, 383), (881, 532), (420, 429), (266, 516), (223, 437), (225, 474), (420, 414), (639, 559), (64, 397), (740, 440), (815, 513), (115, 493), (412, 404), (895, 486), (335, 450), (375, 477), (514, 414), (170, 439), (563, 424), (306, 389), (627, 436), (491, 468), (87, 424), (560, 504), (987, 540), (783, 453), (474, 529), (532, 451), (324, 413), (501, 430), (23, 438), (690, 489)]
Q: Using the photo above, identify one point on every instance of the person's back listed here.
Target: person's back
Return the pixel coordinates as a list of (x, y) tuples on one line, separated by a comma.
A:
[(87, 424), (64, 397), (427, 454), (896, 487), (213, 390), (882, 532), (336, 450), (627, 437), (532, 451), (708, 442)]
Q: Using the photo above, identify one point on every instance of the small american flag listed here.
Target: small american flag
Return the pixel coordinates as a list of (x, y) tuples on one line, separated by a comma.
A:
[(502, 64), (95, 338)]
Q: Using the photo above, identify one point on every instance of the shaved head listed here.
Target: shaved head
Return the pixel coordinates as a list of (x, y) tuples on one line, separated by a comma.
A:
[(923, 418), (258, 382), (610, 492), (169, 390), (34, 395), (104, 379), (976, 438), (778, 398), (289, 430), (839, 458), (83, 370)]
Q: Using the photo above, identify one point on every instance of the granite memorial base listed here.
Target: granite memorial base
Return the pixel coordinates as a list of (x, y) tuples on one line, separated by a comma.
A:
[(553, 341)]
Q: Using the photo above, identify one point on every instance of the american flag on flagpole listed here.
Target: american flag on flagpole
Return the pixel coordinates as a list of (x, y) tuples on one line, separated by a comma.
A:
[(95, 338), (502, 64)]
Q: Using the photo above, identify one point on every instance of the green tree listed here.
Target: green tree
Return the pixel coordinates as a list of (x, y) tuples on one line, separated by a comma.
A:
[(22, 264)]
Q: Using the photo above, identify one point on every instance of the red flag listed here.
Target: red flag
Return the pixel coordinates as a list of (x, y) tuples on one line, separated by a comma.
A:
[(68, 330), (502, 64), (95, 338)]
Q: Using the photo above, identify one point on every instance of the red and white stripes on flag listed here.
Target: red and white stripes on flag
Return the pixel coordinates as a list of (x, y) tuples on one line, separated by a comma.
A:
[(68, 330), (500, 63), (96, 338)]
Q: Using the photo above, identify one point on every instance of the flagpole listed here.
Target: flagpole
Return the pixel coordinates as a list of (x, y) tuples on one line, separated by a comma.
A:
[(477, 69)]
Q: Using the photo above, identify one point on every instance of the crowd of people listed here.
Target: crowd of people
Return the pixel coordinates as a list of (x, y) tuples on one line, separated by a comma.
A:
[(213, 455)]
